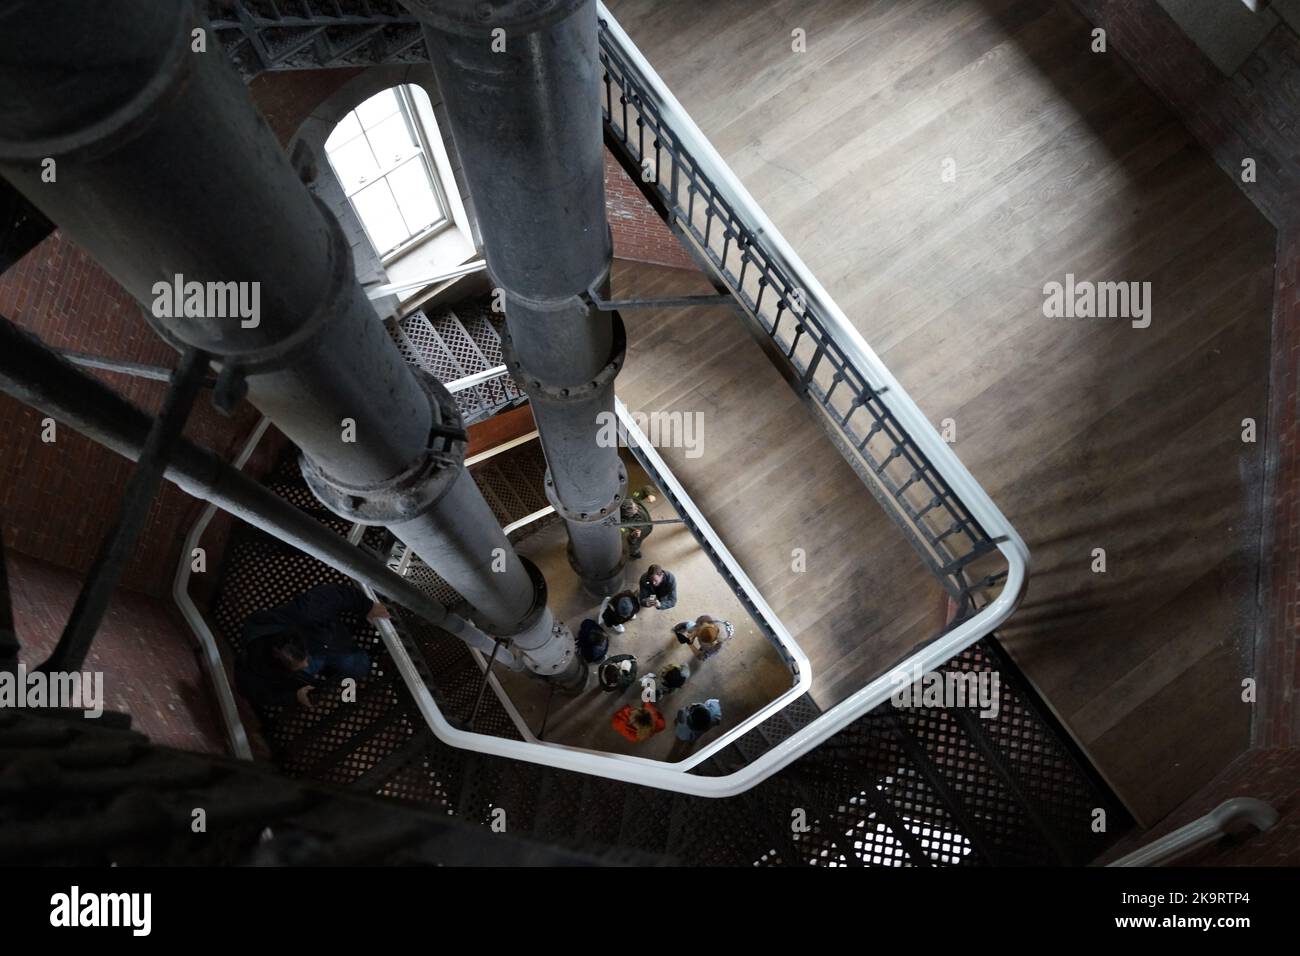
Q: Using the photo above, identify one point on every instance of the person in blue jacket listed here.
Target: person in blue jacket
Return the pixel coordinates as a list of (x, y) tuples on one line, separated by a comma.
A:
[(288, 652), (698, 719)]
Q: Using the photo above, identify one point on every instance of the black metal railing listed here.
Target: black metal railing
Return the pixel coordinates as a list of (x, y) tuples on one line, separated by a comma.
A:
[(866, 431)]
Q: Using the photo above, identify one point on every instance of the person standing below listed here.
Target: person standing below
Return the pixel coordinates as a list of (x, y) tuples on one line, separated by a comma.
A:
[(634, 511), (593, 642), (673, 678), (698, 719), (658, 588), (617, 673), (290, 651), (618, 610), (640, 723), (705, 635)]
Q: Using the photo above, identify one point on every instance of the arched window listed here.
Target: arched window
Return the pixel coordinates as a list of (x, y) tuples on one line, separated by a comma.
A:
[(380, 152)]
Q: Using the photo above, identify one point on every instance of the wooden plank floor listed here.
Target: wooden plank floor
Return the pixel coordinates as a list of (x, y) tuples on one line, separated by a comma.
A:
[(770, 482), (1088, 433)]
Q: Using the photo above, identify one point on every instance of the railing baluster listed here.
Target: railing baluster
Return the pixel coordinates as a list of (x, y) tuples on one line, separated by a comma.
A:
[(754, 253)]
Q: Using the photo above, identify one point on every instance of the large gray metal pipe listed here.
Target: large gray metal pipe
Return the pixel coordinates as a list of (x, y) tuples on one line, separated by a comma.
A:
[(44, 380), (152, 157), (522, 83)]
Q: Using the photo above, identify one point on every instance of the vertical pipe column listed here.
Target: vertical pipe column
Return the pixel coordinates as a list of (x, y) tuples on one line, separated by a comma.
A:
[(151, 156), (522, 82)]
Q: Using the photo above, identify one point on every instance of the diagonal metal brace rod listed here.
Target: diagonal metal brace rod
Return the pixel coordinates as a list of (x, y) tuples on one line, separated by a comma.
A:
[(134, 369), (37, 376), (681, 301), (119, 544)]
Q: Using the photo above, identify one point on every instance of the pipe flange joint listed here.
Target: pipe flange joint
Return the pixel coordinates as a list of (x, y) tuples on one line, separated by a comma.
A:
[(607, 514), (417, 489), (537, 389), (559, 632)]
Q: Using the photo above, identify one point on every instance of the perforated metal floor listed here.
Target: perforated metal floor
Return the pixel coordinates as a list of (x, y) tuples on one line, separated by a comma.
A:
[(898, 787)]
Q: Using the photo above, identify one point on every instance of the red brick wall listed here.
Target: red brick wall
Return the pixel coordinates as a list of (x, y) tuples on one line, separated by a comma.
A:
[(638, 231), (59, 499), (145, 653), (287, 98), (1271, 775), (1250, 114), (1277, 666)]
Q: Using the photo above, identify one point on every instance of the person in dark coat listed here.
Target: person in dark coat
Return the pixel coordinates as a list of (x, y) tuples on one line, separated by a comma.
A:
[(593, 642), (618, 610), (291, 650), (658, 588), (698, 719)]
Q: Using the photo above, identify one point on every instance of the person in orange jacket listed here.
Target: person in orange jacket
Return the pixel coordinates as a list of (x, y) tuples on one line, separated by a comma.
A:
[(638, 723)]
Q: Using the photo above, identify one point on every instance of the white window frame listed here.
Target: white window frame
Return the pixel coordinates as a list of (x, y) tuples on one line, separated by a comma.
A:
[(423, 154)]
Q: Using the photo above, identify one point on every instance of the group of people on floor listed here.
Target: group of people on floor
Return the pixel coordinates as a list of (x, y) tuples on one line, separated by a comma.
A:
[(289, 653), (705, 635)]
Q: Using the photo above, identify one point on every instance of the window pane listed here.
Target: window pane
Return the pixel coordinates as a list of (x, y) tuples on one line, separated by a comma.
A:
[(348, 128), (391, 140), (376, 109), (354, 164), (410, 184), (379, 212)]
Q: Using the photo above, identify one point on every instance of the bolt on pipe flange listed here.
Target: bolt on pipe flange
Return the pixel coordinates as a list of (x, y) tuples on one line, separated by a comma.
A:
[(606, 514), (537, 389), (416, 490)]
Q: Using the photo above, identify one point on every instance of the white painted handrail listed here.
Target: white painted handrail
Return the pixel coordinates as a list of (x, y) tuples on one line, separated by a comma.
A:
[(854, 347), (859, 354), (654, 773), (478, 378), (411, 285), (1203, 831), (944, 460), (236, 736)]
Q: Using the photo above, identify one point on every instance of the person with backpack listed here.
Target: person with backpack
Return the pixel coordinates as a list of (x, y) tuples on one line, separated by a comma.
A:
[(655, 687), (705, 635), (593, 642), (696, 720)]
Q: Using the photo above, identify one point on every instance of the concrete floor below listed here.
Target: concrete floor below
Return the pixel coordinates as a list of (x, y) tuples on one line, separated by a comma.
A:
[(745, 675)]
